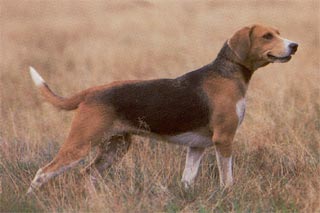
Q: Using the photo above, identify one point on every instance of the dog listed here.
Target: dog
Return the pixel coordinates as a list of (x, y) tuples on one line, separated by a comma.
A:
[(199, 109)]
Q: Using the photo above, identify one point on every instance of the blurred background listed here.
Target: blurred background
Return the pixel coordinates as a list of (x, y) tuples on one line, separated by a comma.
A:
[(78, 44)]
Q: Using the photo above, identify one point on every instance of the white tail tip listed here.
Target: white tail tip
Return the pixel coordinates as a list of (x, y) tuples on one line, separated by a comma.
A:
[(37, 79)]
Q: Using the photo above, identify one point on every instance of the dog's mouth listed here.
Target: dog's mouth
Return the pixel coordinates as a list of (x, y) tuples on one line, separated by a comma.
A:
[(274, 58)]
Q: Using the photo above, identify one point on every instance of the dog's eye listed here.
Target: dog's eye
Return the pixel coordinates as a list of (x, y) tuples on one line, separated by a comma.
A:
[(268, 36)]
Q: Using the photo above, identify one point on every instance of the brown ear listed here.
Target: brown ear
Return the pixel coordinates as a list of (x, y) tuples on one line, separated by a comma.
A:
[(240, 43)]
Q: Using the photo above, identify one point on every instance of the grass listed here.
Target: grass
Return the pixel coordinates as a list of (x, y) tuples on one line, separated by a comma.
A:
[(75, 45)]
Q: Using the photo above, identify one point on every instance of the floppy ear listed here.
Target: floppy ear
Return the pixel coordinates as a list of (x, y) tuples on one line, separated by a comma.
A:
[(240, 43)]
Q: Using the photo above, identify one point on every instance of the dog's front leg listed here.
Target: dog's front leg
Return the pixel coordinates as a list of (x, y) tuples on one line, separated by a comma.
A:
[(193, 159), (222, 139), (225, 168)]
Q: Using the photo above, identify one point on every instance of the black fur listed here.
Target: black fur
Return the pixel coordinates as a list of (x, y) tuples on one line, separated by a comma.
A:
[(163, 106)]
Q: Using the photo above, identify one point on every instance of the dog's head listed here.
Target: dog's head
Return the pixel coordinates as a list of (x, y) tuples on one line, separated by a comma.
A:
[(258, 45)]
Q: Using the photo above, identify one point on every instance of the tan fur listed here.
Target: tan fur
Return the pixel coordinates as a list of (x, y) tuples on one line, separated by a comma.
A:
[(73, 102), (223, 121), (240, 42)]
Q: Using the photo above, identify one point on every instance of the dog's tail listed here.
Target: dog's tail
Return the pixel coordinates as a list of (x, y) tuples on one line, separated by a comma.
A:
[(57, 101)]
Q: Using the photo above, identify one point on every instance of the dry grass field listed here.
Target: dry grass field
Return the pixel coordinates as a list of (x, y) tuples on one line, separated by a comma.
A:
[(78, 44)]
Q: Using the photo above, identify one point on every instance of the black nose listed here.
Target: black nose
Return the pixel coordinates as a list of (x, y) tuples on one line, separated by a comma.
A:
[(293, 47)]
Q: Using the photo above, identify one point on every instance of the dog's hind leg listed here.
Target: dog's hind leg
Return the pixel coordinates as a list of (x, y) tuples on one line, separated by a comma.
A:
[(109, 153), (88, 129)]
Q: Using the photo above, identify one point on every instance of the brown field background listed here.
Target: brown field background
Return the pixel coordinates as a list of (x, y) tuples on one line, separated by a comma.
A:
[(79, 44)]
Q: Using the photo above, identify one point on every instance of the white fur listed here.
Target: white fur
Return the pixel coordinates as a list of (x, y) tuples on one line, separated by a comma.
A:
[(193, 160), (240, 109), (225, 170), (44, 177), (286, 44), (37, 79), (192, 139)]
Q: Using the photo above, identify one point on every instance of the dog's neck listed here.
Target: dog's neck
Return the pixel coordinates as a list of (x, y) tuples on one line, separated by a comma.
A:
[(226, 66)]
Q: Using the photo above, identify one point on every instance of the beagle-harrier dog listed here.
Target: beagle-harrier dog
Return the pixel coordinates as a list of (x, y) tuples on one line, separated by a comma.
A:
[(199, 109)]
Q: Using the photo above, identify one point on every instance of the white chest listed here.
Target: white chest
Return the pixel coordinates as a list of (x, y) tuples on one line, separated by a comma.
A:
[(241, 109)]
